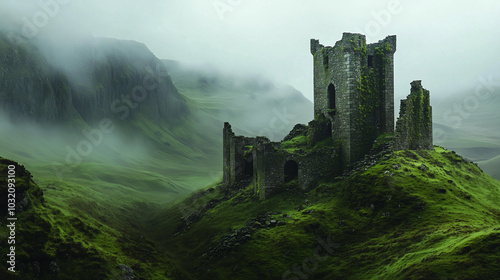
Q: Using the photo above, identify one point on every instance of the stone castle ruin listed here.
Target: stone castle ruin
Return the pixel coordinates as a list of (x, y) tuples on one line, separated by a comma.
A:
[(353, 116)]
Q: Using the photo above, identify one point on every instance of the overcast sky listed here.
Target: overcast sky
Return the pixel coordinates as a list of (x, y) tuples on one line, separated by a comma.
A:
[(447, 44)]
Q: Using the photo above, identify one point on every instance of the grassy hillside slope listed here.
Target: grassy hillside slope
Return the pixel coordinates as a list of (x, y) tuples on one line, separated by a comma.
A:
[(55, 241), (412, 215)]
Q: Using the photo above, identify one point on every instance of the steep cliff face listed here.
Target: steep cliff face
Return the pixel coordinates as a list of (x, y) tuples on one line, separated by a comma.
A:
[(30, 88), (99, 78), (121, 78)]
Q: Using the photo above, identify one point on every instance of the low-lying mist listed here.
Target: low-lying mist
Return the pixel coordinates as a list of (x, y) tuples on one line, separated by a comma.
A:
[(66, 149)]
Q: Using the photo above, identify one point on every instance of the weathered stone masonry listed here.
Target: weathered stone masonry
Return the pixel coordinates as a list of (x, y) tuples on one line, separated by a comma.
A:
[(272, 166), (414, 125), (354, 89), (353, 106)]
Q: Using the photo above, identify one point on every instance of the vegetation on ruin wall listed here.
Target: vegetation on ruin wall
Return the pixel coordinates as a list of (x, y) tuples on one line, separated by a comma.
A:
[(381, 140), (370, 86), (317, 135), (296, 143), (419, 117)]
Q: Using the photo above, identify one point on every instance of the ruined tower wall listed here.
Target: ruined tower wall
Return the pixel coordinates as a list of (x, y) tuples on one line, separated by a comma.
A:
[(227, 135), (268, 175), (352, 132), (237, 154), (237, 157), (414, 125), (388, 47), (363, 78), (373, 113), (339, 66)]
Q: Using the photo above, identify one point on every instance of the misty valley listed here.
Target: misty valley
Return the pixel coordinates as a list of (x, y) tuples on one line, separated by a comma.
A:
[(115, 164)]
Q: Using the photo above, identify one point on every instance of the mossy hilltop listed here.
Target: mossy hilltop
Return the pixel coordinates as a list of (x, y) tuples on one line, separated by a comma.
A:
[(410, 215)]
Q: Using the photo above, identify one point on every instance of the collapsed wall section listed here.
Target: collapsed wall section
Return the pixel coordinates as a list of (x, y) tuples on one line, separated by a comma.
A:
[(238, 155)]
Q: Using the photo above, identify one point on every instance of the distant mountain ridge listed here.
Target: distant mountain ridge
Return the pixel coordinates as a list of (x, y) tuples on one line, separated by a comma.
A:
[(106, 78)]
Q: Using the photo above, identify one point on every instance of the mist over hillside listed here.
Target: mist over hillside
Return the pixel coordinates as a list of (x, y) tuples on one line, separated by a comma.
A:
[(468, 123), (110, 106), (111, 149), (253, 104), (99, 78)]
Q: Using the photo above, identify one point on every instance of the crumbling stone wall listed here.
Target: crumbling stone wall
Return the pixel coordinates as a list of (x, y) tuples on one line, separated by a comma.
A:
[(354, 88), (414, 125), (237, 155), (270, 160)]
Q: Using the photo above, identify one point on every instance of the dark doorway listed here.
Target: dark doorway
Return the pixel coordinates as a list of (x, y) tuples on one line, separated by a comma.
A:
[(331, 97), (291, 170), (370, 61), (248, 170)]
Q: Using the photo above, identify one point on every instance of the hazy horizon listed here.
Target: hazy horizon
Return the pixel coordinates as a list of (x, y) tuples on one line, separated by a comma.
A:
[(448, 45)]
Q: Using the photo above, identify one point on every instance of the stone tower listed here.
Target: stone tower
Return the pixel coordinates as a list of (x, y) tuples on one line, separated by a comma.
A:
[(354, 90)]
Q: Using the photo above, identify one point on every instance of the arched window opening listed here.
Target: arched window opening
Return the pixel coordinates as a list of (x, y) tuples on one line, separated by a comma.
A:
[(331, 98)]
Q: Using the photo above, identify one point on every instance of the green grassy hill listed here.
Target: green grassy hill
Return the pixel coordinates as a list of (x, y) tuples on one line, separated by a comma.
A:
[(412, 215), (95, 208), (78, 240)]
